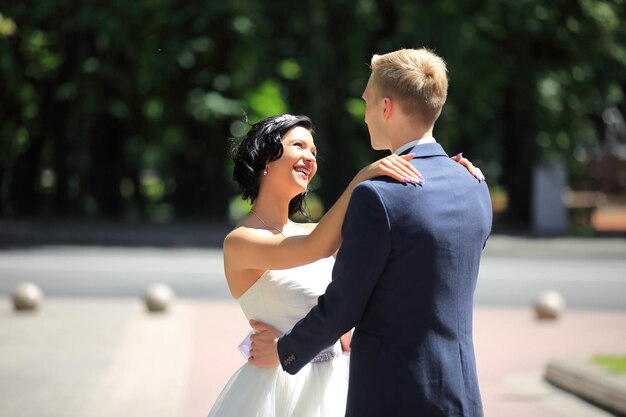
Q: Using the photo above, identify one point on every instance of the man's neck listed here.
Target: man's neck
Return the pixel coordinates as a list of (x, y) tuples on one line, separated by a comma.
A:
[(400, 143), (408, 132), (422, 141)]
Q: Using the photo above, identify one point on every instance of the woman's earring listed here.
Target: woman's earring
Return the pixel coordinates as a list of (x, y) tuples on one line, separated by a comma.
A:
[(265, 171)]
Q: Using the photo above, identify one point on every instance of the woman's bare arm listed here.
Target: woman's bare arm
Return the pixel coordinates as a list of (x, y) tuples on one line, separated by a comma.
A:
[(260, 249), (248, 252)]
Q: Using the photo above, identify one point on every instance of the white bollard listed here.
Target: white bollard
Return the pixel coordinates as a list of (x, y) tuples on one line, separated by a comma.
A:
[(159, 298), (27, 296), (549, 305)]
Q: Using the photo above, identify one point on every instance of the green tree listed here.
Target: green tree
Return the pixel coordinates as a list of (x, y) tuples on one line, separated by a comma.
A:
[(125, 110)]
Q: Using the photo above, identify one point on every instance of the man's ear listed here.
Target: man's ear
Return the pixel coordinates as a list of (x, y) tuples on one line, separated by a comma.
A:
[(388, 108)]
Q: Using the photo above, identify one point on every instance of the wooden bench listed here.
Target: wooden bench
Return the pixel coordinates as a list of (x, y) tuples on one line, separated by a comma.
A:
[(582, 204)]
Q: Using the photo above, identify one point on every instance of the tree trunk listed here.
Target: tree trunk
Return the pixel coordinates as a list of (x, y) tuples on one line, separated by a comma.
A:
[(519, 151)]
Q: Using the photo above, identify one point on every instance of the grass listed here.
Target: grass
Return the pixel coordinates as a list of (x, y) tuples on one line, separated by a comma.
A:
[(614, 363)]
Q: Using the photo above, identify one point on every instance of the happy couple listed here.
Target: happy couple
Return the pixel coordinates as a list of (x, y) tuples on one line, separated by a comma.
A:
[(410, 229)]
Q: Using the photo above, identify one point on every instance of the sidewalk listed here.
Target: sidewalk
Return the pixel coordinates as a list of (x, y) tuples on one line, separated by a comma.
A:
[(101, 358)]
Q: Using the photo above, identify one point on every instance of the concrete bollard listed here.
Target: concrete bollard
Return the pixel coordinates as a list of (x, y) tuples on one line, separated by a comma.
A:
[(549, 305), (159, 298), (27, 297)]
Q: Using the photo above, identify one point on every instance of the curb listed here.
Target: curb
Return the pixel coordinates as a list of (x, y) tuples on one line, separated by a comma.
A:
[(111, 233), (596, 384)]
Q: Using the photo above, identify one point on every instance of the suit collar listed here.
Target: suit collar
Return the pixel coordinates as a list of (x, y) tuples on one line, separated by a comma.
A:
[(413, 143), (426, 150)]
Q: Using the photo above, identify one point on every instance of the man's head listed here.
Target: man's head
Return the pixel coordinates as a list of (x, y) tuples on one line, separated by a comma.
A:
[(410, 82)]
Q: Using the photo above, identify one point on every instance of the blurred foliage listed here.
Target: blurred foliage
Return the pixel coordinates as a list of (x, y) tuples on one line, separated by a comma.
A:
[(125, 110)]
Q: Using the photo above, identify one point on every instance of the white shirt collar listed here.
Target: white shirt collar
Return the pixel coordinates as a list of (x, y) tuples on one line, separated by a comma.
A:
[(413, 143)]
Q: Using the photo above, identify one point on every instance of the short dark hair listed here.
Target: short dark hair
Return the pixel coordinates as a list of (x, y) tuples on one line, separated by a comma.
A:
[(262, 144)]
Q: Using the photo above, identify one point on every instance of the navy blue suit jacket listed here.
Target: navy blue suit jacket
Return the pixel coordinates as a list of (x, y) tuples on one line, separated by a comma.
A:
[(404, 278)]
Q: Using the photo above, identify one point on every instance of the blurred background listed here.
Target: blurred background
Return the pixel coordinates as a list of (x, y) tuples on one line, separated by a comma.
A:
[(116, 119), (123, 111)]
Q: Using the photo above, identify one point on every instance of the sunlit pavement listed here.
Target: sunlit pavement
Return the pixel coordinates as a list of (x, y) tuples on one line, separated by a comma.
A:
[(94, 357), (109, 357), (513, 349), (93, 350)]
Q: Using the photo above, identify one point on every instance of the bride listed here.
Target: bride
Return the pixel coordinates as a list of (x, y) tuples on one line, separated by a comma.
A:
[(277, 268)]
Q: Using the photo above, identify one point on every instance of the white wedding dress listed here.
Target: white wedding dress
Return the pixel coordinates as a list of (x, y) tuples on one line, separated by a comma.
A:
[(281, 298)]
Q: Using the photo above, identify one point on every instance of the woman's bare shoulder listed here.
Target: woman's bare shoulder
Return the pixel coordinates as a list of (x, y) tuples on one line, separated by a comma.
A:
[(245, 233), (237, 232), (237, 246), (235, 235)]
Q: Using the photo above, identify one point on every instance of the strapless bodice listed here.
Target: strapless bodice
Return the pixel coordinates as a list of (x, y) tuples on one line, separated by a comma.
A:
[(281, 298)]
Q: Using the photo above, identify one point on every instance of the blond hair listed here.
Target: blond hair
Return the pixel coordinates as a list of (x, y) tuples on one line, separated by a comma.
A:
[(416, 78)]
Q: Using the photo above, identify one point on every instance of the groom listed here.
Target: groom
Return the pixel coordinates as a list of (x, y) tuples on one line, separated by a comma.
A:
[(405, 275)]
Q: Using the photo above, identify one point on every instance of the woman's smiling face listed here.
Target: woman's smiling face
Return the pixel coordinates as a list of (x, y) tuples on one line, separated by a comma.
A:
[(298, 162)]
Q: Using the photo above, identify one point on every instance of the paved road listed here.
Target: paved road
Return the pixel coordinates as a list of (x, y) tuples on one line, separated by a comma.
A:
[(589, 273), (106, 356), (585, 283), (114, 272)]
